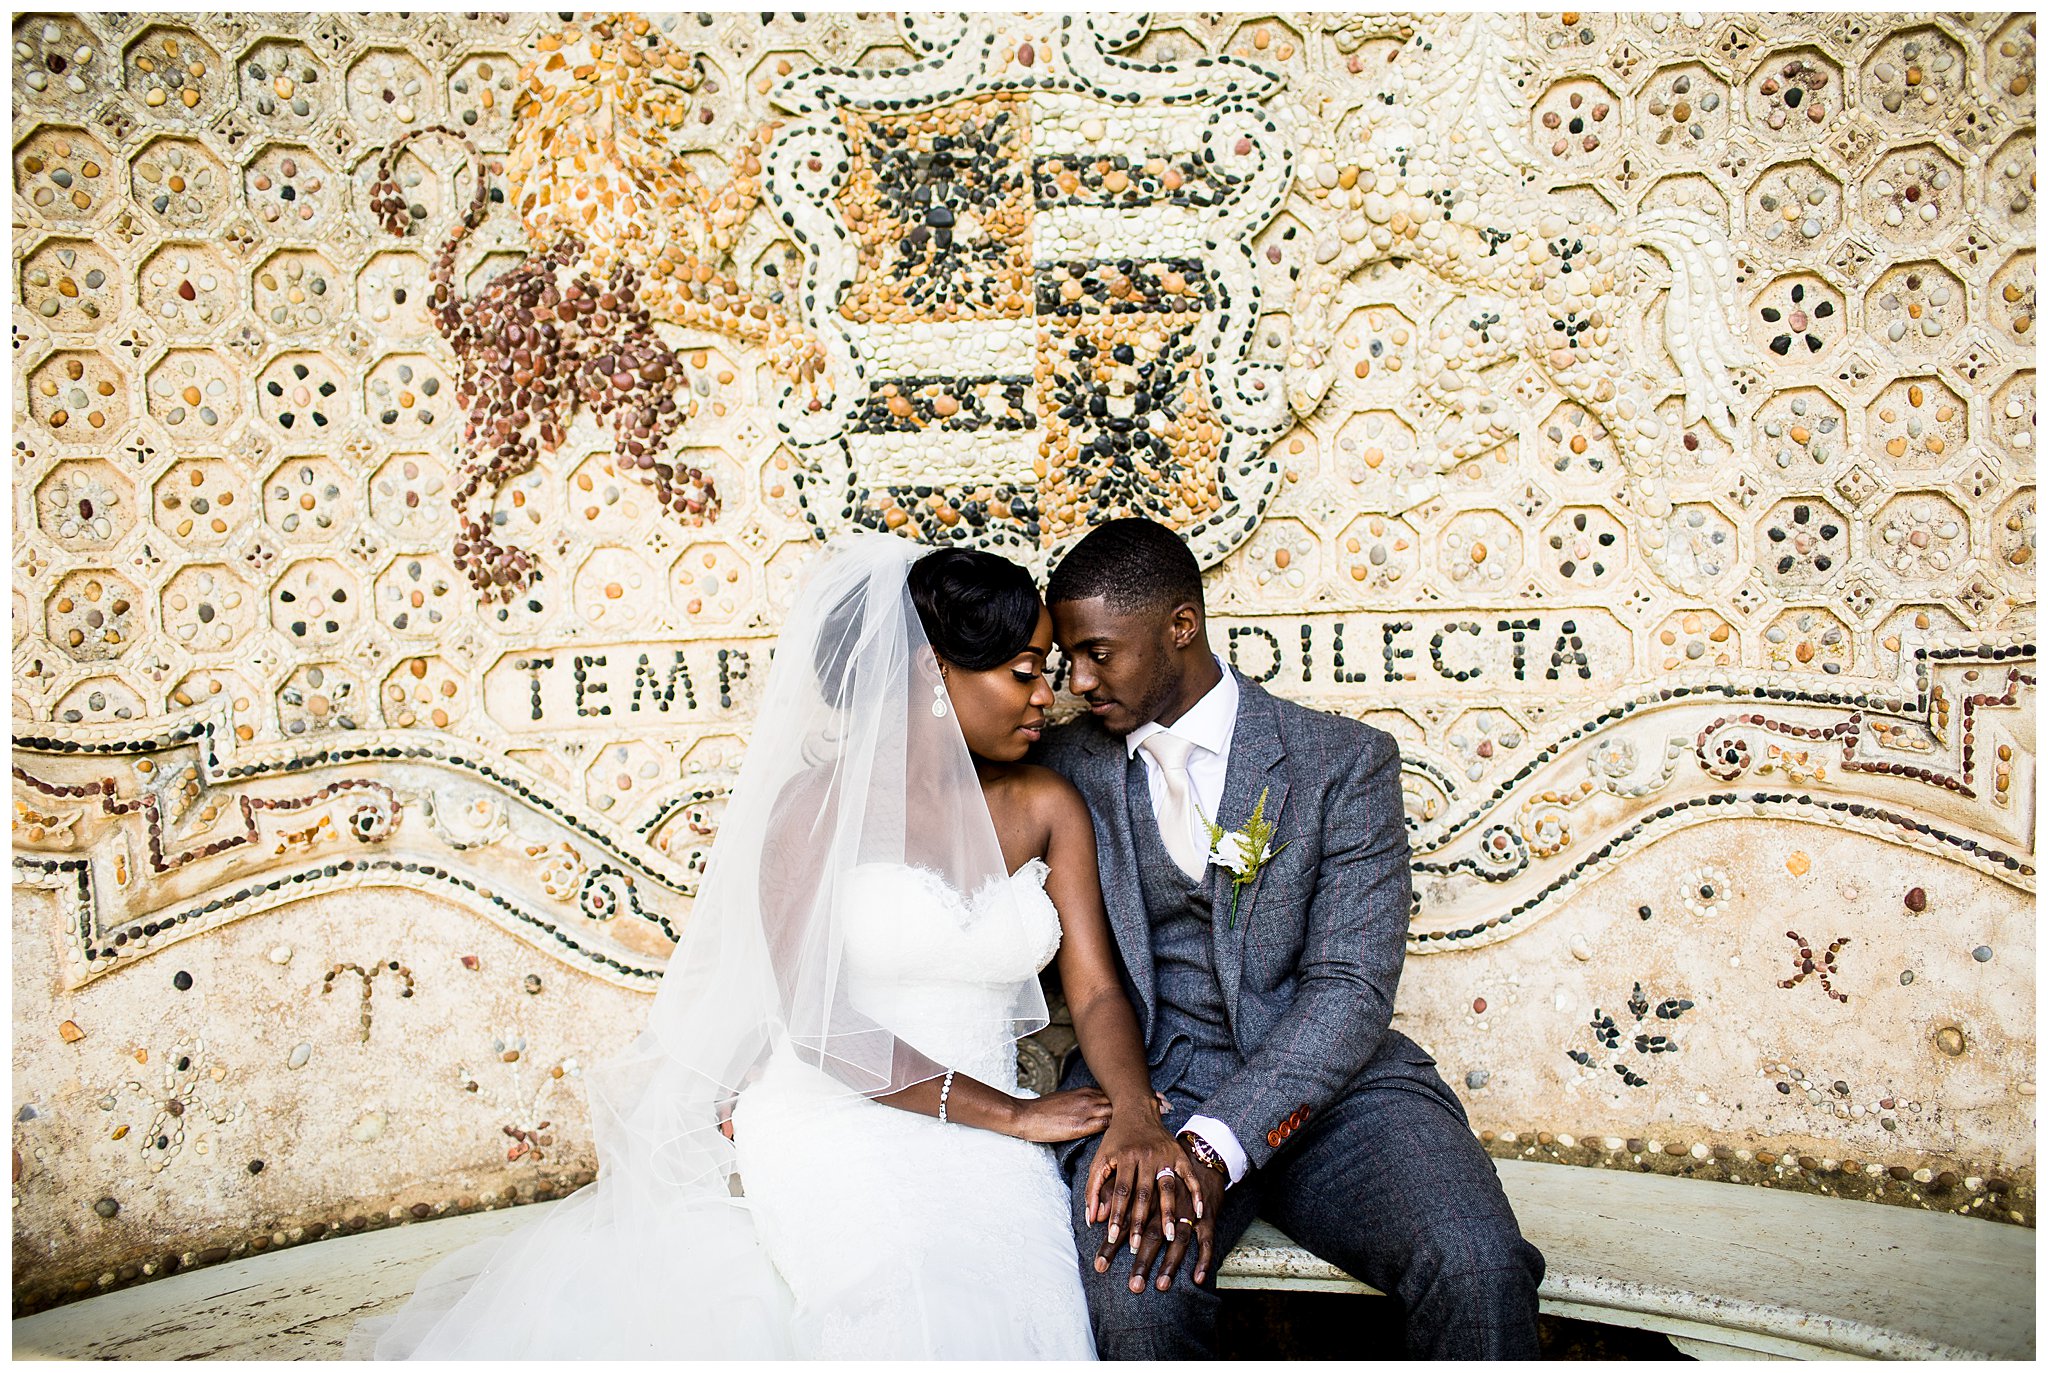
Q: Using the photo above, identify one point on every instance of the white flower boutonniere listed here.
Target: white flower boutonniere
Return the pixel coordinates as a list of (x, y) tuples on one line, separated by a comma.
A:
[(1243, 853)]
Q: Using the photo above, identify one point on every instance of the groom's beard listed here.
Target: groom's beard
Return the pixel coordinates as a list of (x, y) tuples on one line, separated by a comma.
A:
[(1120, 718)]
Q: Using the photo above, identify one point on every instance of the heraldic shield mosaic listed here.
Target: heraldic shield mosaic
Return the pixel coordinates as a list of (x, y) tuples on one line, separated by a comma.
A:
[(421, 423), (1032, 261)]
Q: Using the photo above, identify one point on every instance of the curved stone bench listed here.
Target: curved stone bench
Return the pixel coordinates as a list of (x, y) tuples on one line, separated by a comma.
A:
[(1741, 1272), (1725, 1271)]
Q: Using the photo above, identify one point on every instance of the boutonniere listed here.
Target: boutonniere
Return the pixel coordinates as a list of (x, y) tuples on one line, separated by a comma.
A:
[(1244, 853)]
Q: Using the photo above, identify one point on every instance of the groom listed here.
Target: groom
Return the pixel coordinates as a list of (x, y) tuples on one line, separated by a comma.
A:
[(1267, 1030)]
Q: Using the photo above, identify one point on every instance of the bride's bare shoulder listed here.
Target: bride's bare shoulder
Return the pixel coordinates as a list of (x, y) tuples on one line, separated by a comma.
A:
[(808, 793), (1050, 793), (800, 815)]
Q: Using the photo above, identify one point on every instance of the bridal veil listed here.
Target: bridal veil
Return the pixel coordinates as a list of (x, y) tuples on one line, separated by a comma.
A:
[(853, 761)]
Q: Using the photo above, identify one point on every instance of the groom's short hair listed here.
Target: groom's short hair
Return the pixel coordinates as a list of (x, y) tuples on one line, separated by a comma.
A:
[(1132, 564)]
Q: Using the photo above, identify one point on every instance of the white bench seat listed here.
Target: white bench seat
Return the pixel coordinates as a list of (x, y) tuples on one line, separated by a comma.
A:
[(1729, 1271), (1726, 1271)]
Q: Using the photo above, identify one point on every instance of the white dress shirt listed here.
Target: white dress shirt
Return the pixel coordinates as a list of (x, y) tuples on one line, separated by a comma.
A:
[(1208, 725)]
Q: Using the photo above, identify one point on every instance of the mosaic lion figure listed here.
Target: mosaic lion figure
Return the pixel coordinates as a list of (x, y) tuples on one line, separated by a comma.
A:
[(625, 234)]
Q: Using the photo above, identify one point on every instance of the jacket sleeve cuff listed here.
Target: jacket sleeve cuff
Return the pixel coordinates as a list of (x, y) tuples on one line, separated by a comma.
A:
[(1220, 1138)]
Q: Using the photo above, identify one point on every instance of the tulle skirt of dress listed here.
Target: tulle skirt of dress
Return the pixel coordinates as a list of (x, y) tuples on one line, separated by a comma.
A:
[(691, 1283), (899, 1237), (866, 1232)]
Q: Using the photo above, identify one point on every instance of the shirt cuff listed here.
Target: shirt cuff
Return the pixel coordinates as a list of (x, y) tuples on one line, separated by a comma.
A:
[(1219, 1137)]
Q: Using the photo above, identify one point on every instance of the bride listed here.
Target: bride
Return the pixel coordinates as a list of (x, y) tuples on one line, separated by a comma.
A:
[(818, 1147)]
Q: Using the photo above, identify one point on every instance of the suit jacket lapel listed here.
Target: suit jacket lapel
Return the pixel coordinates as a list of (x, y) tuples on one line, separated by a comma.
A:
[(1123, 897), (1255, 757)]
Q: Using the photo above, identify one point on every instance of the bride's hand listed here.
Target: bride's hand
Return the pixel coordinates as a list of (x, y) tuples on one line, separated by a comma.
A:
[(1196, 1230), (1139, 1172), (1062, 1116)]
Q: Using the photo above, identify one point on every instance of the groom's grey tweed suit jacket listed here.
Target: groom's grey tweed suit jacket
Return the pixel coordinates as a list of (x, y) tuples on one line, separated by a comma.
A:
[(1308, 973)]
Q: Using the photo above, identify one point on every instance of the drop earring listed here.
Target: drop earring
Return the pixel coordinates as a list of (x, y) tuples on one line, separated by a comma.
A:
[(939, 698)]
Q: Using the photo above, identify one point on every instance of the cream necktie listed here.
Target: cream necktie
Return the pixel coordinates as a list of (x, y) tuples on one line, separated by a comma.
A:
[(1177, 816)]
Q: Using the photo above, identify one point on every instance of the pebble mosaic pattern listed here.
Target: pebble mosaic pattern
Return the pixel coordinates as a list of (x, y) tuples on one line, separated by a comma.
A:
[(421, 421)]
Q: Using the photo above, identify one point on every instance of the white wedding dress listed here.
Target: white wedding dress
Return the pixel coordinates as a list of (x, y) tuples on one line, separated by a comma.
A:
[(875, 1233), (900, 1237), (856, 924)]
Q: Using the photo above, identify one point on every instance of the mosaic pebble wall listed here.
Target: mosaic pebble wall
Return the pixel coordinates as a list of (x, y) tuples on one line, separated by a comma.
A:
[(419, 422)]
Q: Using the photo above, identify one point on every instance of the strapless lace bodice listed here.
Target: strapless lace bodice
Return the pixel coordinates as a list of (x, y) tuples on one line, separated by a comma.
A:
[(940, 968)]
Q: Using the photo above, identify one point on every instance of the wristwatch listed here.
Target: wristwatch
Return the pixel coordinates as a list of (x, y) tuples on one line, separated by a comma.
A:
[(1202, 1151)]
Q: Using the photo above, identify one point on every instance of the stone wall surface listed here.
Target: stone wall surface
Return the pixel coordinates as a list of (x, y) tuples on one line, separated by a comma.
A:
[(419, 422)]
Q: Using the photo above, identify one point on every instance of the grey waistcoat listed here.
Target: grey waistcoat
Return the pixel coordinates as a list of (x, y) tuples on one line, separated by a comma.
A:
[(1192, 1046)]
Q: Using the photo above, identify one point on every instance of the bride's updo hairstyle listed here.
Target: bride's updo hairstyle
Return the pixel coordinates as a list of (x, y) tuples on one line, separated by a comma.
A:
[(978, 610)]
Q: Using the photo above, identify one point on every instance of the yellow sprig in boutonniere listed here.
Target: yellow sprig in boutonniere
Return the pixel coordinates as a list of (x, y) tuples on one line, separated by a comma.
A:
[(1244, 853)]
